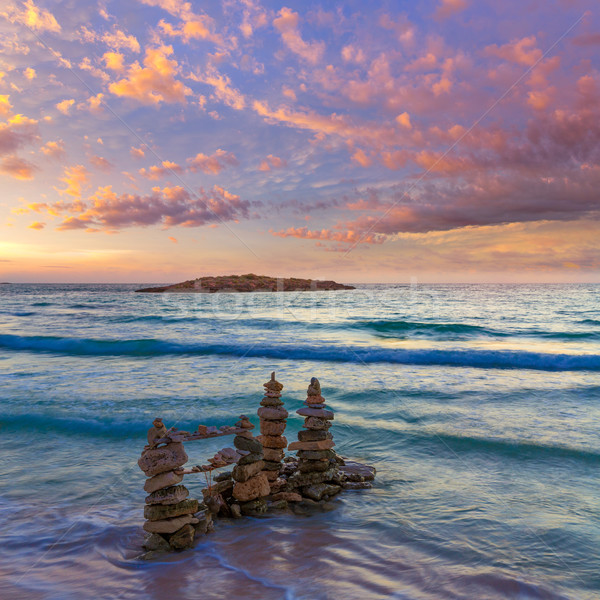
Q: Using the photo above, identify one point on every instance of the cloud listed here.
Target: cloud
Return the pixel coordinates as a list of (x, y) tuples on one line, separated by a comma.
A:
[(117, 40), (137, 152), (166, 168), (37, 225), (101, 163), (287, 25), (155, 82), (5, 105), (222, 89), (447, 8), (329, 235), (31, 16), (213, 164), (522, 52), (65, 106), (16, 167), (272, 162), (168, 207), (113, 61), (54, 149), (29, 73), (76, 178), (172, 239)]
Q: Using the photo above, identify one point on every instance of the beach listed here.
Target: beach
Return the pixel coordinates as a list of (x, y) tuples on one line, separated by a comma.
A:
[(477, 404)]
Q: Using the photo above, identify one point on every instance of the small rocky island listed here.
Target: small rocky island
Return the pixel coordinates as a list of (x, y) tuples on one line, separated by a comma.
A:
[(247, 283)]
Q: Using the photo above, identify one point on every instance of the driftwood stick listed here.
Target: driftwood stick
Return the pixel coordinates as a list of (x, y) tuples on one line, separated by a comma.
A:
[(198, 436)]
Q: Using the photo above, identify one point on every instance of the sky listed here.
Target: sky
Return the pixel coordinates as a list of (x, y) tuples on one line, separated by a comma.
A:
[(381, 141)]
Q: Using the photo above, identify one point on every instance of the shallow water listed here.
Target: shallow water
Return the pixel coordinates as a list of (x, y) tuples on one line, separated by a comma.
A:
[(477, 404)]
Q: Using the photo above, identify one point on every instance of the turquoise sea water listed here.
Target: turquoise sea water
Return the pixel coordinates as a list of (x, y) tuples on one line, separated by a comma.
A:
[(479, 406)]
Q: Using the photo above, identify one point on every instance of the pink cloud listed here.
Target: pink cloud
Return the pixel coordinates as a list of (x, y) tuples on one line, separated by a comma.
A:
[(16, 167), (447, 8), (287, 25), (272, 162), (522, 52), (214, 163)]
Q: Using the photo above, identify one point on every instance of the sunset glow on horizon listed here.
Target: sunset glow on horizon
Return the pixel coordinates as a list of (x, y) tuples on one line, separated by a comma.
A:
[(162, 140)]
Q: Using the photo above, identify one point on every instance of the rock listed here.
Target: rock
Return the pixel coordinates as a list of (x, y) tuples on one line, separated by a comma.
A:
[(271, 465), (279, 484), (221, 487), (161, 481), (170, 495), (316, 454), (320, 413), (183, 538), (271, 401), (244, 472), (278, 505), (168, 525), (305, 479), (250, 458), (273, 385), (272, 427), (318, 490), (313, 435), (215, 503), (316, 423), (358, 472), (254, 508), (251, 445), (156, 432), (222, 476), (287, 496), (313, 466), (271, 476), (321, 445), (204, 524), (315, 400), (272, 413), (357, 485), (272, 441), (273, 454), (158, 512), (155, 541), (255, 487), (160, 460), (236, 511)]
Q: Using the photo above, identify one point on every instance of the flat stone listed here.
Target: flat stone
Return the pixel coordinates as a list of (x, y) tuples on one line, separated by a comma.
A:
[(313, 435), (271, 476), (319, 490), (271, 401), (272, 413), (320, 413), (250, 458), (272, 427), (220, 487), (168, 525), (244, 472), (250, 445), (315, 400), (156, 542), (272, 441), (313, 466), (183, 538), (320, 445), (287, 496), (271, 465), (278, 505), (160, 460), (316, 423), (236, 511), (274, 454), (255, 487), (161, 481), (304, 479), (254, 508), (316, 454), (170, 495), (157, 512), (204, 524), (358, 472)]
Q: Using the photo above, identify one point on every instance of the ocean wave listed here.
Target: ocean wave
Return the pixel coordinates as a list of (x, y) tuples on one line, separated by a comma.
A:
[(428, 329), (485, 359)]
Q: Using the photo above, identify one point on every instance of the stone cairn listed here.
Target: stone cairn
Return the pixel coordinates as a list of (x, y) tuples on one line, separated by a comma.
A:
[(317, 476), (251, 484), (273, 417), (169, 512)]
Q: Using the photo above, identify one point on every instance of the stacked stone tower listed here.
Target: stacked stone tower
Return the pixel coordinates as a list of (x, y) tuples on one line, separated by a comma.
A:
[(316, 459), (251, 484), (169, 511), (273, 417)]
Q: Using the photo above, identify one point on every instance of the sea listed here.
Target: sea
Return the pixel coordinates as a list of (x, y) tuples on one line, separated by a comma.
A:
[(479, 406)]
